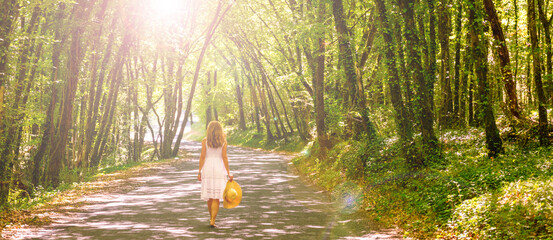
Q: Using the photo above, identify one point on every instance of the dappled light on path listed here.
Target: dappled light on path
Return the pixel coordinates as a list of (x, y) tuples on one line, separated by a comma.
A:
[(276, 205)]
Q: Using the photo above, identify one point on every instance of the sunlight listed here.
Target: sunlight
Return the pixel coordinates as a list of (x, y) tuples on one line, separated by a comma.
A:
[(167, 9)]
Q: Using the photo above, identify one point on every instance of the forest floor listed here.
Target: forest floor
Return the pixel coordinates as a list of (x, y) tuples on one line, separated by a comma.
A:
[(161, 200)]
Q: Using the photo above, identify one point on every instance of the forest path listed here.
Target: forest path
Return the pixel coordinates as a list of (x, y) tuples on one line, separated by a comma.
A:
[(276, 204)]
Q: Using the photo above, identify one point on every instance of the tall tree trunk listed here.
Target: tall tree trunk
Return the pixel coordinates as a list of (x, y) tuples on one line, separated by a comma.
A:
[(504, 59), (208, 96), (465, 81), (404, 126), (354, 82), (423, 103), (444, 31), (479, 50), (48, 126), (76, 55), (318, 84), (96, 83), (264, 110), (546, 24), (536, 64), (209, 34), (431, 65), (8, 15), (254, 98), (355, 89), (107, 117), (458, 92), (170, 101), (403, 73), (16, 111), (25, 63), (242, 124)]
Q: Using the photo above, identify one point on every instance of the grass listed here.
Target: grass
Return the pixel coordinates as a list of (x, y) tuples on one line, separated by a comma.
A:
[(439, 201)]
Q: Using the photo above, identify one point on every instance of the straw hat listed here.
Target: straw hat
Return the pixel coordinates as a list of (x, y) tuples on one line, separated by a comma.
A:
[(232, 195)]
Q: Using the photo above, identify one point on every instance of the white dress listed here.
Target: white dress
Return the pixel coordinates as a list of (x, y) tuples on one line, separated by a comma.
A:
[(214, 174)]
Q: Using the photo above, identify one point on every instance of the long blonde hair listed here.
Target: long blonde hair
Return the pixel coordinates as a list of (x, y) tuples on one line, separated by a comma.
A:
[(214, 135)]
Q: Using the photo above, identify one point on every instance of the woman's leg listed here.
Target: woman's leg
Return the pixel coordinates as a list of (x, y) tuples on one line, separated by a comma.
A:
[(214, 210), (209, 207)]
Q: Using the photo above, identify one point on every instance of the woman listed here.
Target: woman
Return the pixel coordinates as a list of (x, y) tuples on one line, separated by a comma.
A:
[(214, 169)]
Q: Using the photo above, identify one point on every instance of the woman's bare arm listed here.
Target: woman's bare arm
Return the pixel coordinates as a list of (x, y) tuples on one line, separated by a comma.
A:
[(225, 161), (202, 159)]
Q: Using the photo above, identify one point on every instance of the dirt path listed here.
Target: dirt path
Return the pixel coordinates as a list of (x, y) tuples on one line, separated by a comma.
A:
[(276, 205)]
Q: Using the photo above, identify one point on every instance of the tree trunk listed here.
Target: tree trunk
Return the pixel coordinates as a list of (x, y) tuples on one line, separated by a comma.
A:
[(107, 117), (254, 98), (431, 65), (242, 124), (8, 15), (48, 135), (546, 24), (66, 108), (536, 64), (444, 30), (429, 140), (318, 85), (208, 96), (404, 126), (458, 92), (264, 110), (493, 140), (355, 99), (96, 83), (210, 31), (504, 59)]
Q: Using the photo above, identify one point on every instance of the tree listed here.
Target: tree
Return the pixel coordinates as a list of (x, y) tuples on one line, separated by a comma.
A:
[(404, 126), (536, 64), (505, 61), (479, 52), (423, 103)]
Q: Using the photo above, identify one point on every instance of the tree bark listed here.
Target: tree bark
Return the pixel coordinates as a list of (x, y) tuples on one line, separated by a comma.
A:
[(242, 124), (48, 125), (318, 85), (504, 59), (444, 31), (355, 98), (8, 15), (536, 66), (107, 117), (423, 103), (404, 126), (431, 65), (546, 24), (210, 31), (66, 108), (457, 68), (479, 51)]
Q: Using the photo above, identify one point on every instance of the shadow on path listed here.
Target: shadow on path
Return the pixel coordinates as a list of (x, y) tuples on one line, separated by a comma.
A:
[(276, 205)]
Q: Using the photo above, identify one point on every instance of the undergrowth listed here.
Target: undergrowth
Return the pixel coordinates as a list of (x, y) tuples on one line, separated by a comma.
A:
[(465, 196)]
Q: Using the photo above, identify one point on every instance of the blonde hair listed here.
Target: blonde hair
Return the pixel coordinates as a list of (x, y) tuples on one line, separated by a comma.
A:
[(214, 135)]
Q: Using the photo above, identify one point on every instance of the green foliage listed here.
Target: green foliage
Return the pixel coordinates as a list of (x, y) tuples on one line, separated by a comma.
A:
[(456, 192), (520, 210), (250, 138)]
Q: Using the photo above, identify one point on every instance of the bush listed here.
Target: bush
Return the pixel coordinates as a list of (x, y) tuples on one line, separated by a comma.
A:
[(521, 210)]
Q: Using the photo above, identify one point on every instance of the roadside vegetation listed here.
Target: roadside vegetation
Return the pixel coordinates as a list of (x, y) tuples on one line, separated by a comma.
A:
[(465, 196)]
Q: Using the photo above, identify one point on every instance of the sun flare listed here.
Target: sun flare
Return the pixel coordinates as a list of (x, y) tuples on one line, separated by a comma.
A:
[(166, 8)]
